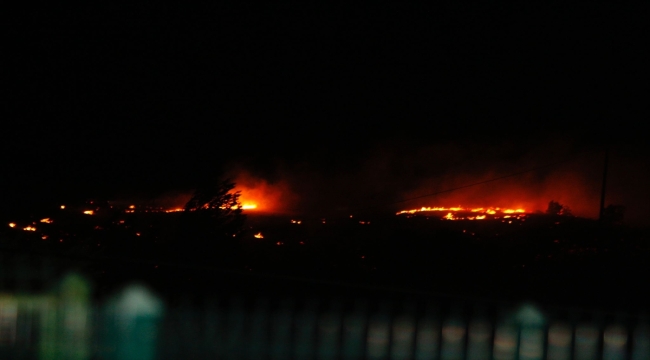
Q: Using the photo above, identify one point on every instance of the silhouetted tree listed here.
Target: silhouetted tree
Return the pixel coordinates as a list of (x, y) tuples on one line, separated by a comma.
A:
[(214, 211), (555, 208)]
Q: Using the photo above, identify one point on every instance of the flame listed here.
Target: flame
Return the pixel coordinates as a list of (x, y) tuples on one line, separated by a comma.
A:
[(62, 207), (47, 221), (259, 195), (449, 216), (12, 225), (29, 228), (244, 207), (259, 235), (452, 212), (89, 212)]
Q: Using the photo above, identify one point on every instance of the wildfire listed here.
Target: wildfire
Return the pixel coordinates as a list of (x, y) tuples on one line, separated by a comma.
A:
[(461, 213), (29, 228), (12, 225), (244, 207), (47, 221), (89, 212), (259, 235)]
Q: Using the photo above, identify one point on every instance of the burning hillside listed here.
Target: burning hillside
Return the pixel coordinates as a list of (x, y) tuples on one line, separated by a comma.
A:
[(463, 213)]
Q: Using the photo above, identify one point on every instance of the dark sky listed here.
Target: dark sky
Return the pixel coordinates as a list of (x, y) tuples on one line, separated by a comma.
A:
[(106, 100)]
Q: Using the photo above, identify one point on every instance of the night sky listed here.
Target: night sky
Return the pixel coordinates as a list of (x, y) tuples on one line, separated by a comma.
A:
[(345, 105)]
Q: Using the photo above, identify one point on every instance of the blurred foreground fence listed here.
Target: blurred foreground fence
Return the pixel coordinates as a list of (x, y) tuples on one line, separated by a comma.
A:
[(134, 323)]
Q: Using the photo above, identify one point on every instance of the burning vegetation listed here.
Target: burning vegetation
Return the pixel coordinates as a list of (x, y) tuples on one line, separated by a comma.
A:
[(462, 213)]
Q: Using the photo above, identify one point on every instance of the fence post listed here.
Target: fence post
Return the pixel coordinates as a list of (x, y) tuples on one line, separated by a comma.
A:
[(132, 320), (641, 340), (427, 342), (531, 336), (378, 342), (65, 327), (506, 337), (305, 330), (354, 330), (403, 334), (258, 345), (282, 323), (329, 332), (453, 337), (560, 338)]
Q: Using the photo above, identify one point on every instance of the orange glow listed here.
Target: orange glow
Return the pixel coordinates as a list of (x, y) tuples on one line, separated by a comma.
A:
[(296, 222), (62, 207), (12, 225), (29, 228), (259, 195), (131, 206), (174, 210), (512, 211), (47, 221), (456, 213), (259, 235), (89, 212)]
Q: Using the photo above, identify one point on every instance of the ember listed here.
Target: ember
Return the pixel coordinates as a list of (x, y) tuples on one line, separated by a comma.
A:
[(461, 213)]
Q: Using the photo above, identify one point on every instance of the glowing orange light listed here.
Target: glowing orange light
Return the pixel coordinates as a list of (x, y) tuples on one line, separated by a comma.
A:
[(46, 220), (29, 228), (62, 207), (131, 206), (451, 212), (259, 235), (12, 225), (296, 222), (174, 210), (89, 212)]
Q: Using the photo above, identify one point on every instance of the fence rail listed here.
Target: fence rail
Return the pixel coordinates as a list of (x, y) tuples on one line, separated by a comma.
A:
[(65, 322)]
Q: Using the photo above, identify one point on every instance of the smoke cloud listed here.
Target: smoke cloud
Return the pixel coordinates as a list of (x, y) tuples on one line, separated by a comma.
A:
[(398, 175)]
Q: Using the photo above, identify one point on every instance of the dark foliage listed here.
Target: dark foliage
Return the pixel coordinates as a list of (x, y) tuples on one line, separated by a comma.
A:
[(215, 211), (555, 208)]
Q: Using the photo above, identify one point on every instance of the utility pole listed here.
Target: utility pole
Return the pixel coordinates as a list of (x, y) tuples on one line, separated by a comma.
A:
[(602, 193)]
